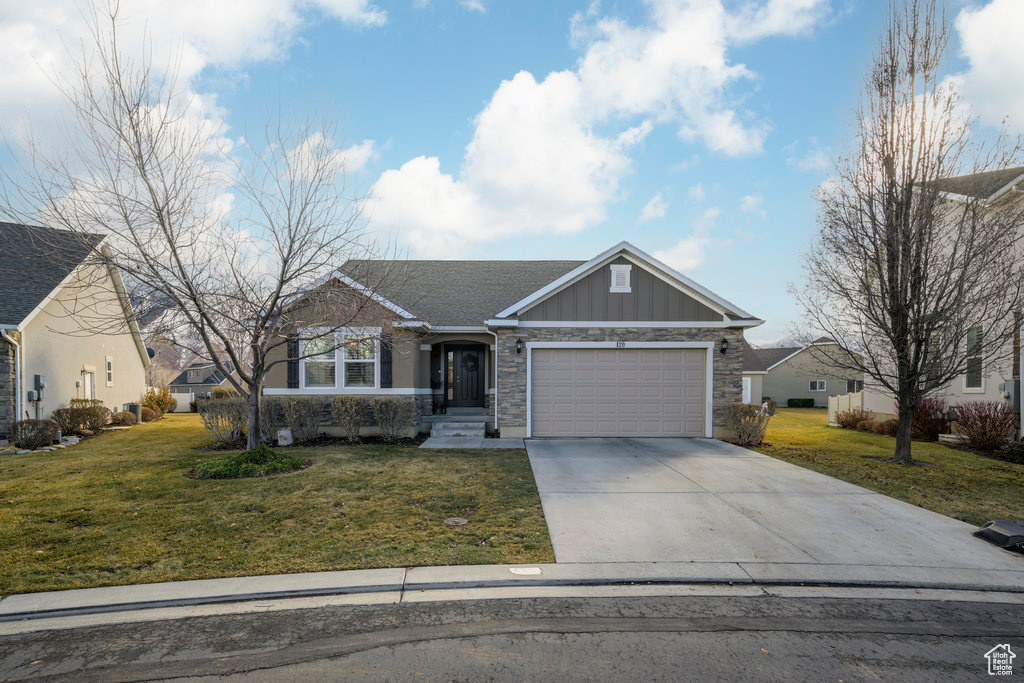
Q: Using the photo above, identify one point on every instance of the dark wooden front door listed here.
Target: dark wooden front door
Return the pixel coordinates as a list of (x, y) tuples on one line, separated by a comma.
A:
[(465, 375)]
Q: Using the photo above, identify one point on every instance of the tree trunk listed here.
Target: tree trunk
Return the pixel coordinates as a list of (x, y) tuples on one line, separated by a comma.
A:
[(905, 417), (253, 436)]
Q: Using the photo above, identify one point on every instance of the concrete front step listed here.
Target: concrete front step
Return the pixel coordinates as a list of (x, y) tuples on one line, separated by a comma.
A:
[(457, 429)]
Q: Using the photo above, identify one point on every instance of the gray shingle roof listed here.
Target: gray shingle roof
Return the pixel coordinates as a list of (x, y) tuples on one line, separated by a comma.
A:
[(980, 185), (752, 361), (772, 356), (33, 261), (456, 292)]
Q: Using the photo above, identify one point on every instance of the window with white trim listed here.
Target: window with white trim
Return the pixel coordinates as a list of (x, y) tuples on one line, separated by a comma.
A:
[(974, 378), (620, 278), (318, 367), (110, 371), (360, 359), (816, 385), (854, 385)]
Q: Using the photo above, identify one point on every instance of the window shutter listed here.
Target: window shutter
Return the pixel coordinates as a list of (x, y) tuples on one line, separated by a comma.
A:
[(293, 361), (385, 361)]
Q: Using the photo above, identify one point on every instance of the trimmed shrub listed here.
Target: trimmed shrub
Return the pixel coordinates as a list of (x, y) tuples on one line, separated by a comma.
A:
[(930, 419), (347, 412), (303, 416), (849, 419), (123, 418), (1012, 453), (221, 392), (394, 416), (33, 434), (148, 414), (800, 403), (193, 406), (84, 413), (257, 462), (174, 406), (69, 420), (158, 399), (225, 419), (865, 426), (987, 425), (748, 423), (886, 427)]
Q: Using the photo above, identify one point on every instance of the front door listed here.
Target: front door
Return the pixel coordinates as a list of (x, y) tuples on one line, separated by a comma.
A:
[(465, 375)]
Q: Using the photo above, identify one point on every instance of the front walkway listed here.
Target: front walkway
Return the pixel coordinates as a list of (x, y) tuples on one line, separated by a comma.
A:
[(701, 500)]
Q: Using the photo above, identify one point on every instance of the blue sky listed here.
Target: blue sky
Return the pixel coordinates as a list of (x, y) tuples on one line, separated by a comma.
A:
[(495, 129)]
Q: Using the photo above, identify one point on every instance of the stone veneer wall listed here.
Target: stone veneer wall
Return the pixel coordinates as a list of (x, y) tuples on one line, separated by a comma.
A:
[(728, 368), (8, 393)]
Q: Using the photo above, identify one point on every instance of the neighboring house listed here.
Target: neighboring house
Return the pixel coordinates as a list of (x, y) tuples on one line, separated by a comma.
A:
[(754, 371), (984, 382), (64, 320), (799, 372), (199, 379), (620, 345)]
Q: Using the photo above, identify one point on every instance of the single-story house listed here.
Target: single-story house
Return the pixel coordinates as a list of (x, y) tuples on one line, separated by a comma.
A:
[(200, 378), (619, 345), (66, 327), (805, 372)]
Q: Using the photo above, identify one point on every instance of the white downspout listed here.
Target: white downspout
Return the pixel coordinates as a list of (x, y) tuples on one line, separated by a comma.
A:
[(496, 428), (17, 374)]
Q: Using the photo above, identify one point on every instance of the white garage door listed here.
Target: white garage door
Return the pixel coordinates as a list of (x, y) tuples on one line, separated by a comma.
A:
[(617, 392)]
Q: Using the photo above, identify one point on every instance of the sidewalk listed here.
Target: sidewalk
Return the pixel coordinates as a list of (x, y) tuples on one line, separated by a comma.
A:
[(399, 581)]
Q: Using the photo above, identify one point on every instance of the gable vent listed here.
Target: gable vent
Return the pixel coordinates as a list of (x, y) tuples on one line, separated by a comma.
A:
[(620, 278)]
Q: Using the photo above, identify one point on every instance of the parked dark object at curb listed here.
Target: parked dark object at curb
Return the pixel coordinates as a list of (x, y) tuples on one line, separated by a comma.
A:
[(800, 403), (1005, 533)]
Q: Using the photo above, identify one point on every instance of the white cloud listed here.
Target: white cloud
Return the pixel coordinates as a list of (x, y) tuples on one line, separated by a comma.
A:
[(752, 203), (686, 254), (691, 251), (990, 41), (225, 34), (549, 155), (357, 156), (655, 208), (473, 5), (810, 157), (697, 193)]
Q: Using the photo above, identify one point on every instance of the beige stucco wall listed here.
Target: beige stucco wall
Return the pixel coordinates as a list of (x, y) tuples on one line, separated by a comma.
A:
[(56, 345), (791, 379), (756, 386)]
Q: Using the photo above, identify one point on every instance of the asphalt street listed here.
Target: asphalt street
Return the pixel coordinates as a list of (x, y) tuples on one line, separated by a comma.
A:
[(722, 637)]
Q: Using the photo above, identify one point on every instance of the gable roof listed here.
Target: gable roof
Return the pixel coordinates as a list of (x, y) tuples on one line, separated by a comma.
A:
[(34, 261), (986, 185), (211, 378), (642, 258), (456, 292), (752, 361), (772, 357)]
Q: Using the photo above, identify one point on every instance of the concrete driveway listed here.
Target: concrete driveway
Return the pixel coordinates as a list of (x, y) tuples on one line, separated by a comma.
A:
[(701, 500)]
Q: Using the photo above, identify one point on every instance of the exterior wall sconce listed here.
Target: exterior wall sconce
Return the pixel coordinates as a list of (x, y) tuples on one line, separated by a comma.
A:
[(519, 346), (725, 344)]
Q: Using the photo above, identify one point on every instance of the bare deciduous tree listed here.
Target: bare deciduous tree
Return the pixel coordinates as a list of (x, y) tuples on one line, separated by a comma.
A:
[(904, 271), (234, 241)]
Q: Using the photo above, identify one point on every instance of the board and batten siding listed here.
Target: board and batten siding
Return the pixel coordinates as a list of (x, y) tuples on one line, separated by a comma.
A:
[(651, 299)]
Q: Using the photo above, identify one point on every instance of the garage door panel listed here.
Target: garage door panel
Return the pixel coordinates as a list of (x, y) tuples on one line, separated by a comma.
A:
[(618, 392)]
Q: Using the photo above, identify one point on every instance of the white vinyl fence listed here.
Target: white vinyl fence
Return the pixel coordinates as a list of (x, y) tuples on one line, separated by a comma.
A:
[(843, 402)]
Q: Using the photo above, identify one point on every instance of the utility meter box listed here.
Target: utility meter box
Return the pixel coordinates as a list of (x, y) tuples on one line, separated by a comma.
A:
[(40, 382), (1010, 390)]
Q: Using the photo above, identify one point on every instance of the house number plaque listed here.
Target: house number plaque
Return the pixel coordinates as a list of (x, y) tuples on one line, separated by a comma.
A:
[(620, 344)]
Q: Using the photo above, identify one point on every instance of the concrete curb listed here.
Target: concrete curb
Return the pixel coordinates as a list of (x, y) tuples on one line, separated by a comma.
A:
[(399, 581)]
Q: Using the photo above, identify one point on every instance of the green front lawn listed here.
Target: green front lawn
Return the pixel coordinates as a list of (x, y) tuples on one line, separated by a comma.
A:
[(959, 484), (119, 509)]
